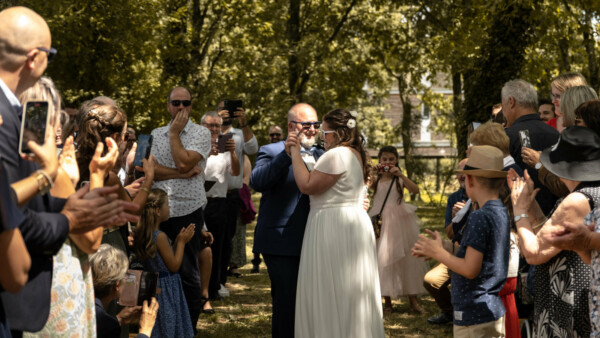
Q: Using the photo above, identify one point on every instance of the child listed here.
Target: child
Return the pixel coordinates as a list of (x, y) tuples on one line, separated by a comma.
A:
[(154, 249), (400, 274), (480, 266)]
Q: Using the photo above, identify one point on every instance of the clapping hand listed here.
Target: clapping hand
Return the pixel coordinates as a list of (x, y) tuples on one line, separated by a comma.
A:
[(186, 234), (101, 165), (522, 191), (68, 161), (428, 247)]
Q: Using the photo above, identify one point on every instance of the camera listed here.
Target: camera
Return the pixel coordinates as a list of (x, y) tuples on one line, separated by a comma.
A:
[(384, 168)]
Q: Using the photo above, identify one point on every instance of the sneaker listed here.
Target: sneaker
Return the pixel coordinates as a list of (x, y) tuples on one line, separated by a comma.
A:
[(223, 292), (441, 318), (255, 269)]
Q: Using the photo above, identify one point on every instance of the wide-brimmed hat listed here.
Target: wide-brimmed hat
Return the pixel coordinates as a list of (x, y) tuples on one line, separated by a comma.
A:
[(485, 161), (576, 155)]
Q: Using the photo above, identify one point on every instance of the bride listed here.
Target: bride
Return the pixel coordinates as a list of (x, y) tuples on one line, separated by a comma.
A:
[(338, 284)]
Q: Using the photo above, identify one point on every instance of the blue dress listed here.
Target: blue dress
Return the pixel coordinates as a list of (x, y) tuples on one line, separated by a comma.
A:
[(173, 319)]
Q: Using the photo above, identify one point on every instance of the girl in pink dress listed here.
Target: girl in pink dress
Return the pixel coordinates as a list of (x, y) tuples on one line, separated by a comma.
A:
[(400, 274)]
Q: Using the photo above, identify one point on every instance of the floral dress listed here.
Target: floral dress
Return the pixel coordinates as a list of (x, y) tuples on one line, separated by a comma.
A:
[(72, 309), (561, 289), (594, 295)]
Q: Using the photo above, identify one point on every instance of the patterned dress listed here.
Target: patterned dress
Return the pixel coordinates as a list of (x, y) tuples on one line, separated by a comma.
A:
[(72, 309), (561, 288), (594, 295)]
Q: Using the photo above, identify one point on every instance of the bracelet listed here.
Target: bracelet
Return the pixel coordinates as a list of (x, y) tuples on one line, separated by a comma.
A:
[(43, 187), (145, 189)]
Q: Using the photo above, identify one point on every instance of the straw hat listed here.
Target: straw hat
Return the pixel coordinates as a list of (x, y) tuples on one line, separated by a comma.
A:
[(485, 161)]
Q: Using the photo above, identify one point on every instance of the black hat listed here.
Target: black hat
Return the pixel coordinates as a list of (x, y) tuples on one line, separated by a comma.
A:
[(576, 155)]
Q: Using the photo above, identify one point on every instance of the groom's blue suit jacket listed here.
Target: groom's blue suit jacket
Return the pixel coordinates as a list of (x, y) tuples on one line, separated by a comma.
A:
[(283, 208)]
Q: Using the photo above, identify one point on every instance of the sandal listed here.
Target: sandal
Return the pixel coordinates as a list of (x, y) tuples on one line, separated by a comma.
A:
[(203, 302)]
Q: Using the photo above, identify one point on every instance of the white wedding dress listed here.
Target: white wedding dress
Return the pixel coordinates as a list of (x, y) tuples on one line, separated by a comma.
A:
[(338, 291)]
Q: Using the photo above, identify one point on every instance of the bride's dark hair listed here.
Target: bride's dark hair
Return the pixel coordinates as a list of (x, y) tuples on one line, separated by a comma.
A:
[(337, 120)]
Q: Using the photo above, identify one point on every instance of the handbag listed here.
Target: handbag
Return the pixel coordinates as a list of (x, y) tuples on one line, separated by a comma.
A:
[(376, 219)]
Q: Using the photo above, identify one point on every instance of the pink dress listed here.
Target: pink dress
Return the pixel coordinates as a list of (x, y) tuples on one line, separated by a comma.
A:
[(400, 274)]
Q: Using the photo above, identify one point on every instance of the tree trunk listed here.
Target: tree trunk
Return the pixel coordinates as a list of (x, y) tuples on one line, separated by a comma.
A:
[(406, 126), (457, 106), (293, 36), (590, 49)]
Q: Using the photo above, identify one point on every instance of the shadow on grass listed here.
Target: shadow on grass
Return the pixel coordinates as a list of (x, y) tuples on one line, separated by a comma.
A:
[(247, 312)]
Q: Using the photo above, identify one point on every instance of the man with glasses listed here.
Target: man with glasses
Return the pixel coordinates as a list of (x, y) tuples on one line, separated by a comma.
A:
[(234, 248), (275, 134), (181, 148), (283, 214), (24, 55)]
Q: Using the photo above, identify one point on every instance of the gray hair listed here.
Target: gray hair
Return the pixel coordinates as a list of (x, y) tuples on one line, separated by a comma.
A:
[(109, 266), (572, 98), (522, 92), (212, 113)]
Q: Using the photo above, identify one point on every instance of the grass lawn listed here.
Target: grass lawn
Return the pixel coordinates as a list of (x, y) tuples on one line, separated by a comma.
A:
[(247, 312)]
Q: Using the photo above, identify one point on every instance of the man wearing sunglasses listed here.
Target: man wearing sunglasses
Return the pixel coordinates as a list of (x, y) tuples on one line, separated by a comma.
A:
[(275, 134), (179, 148), (283, 214)]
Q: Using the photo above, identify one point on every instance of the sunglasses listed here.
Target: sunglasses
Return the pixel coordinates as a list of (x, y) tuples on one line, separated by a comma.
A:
[(307, 125), (176, 103), (51, 52), (274, 134)]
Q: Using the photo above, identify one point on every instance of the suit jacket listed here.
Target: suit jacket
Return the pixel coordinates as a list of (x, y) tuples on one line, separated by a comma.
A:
[(283, 208), (44, 231)]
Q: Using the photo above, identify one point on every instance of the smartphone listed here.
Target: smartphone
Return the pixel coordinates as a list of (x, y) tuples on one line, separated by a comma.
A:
[(231, 106), (144, 145), (222, 142), (525, 140), (34, 124)]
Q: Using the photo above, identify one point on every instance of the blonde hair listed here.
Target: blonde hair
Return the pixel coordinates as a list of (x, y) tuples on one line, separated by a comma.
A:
[(44, 90), (573, 98), (568, 80), (491, 134), (109, 266)]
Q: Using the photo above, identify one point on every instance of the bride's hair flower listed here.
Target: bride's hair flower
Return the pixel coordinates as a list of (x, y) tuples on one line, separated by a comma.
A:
[(354, 113), (351, 123)]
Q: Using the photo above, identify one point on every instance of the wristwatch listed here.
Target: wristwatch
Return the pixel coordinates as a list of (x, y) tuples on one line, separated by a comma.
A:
[(519, 217), (44, 184), (538, 166)]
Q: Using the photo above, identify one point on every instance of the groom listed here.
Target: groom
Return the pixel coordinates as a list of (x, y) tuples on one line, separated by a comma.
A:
[(283, 213)]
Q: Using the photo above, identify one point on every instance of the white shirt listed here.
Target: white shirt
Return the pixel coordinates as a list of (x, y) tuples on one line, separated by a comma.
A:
[(241, 148), (12, 99), (185, 195), (216, 170)]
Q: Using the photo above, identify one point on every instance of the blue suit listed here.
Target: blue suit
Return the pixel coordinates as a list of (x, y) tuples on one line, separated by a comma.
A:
[(44, 231), (280, 229)]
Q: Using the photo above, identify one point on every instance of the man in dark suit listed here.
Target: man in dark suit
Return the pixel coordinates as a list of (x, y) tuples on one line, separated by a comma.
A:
[(24, 54), (283, 213)]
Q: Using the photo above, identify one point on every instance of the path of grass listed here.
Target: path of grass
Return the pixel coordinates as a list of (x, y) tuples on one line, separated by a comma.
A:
[(247, 312)]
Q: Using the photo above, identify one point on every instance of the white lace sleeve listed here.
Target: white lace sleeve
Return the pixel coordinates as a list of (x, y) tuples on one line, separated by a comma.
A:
[(333, 161)]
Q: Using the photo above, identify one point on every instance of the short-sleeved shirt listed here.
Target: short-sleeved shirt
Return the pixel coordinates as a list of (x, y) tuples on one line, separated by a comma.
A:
[(476, 300), (185, 195), (241, 148), (217, 168)]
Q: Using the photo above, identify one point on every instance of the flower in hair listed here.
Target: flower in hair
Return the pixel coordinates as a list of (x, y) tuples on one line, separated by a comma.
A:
[(354, 113), (351, 123)]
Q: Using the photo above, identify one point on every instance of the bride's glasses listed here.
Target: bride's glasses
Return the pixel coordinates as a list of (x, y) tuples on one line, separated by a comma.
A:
[(322, 133)]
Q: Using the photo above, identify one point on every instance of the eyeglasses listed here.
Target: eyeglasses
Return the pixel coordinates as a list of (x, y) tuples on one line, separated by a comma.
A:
[(275, 134), (307, 125), (212, 125), (322, 133), (51, 52), (176, 103), (555, 96)]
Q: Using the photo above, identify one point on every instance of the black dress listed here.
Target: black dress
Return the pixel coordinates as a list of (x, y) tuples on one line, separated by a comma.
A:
[(561, 287)]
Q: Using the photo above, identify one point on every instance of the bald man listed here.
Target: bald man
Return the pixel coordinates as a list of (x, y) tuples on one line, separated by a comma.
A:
[(24, 54), (283, 214)]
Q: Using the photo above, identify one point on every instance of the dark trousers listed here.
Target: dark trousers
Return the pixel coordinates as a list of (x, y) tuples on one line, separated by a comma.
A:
[(189, 270), (215, 218), (283, 272), (232, 209)]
